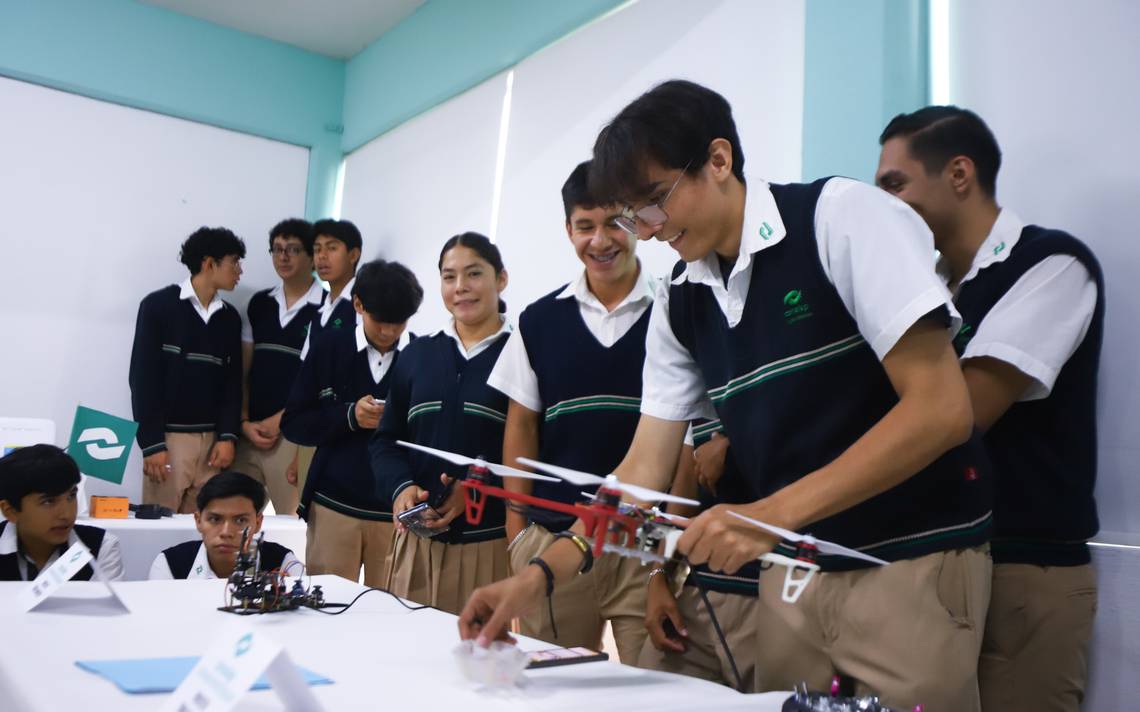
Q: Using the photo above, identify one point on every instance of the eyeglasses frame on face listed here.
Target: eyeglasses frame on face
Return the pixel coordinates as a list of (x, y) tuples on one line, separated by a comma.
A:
[(628, 219), (291, 250)]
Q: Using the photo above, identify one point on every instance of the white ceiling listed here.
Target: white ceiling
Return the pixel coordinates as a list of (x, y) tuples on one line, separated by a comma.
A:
[(335, 28)]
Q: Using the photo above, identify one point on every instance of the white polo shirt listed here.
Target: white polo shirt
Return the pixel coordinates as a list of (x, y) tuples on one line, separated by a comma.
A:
[(200, 569), (481, 345), (187, 292), (378, 363), (326, 311), (110, 554), (285, 313), (1057, 292), (513, 374), (873, 248)]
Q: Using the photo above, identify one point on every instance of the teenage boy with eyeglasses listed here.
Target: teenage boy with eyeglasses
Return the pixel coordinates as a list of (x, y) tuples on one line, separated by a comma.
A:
[(185, 372), (810, 318), (272, 337)]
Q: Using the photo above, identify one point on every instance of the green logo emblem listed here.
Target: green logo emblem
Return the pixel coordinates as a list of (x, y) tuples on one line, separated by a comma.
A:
[(964, 335), (336, 324), (198, 570), (243, 645), (766, 230), (100, 443), (797, 308), (998, 250)]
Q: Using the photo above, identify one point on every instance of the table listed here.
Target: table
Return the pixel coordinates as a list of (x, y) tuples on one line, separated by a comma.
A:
[(380, 655), (143, 539)]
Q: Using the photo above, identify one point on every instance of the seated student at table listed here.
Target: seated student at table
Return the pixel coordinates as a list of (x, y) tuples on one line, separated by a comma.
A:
[(440, 398), (336, 403), (39, 486), (227, 505), (185, 373)]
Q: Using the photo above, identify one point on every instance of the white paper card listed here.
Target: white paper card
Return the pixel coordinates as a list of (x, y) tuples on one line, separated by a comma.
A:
[(230, 667), (53, 577)]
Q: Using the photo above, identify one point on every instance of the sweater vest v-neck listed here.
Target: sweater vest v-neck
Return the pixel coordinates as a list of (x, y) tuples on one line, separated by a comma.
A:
[(795, 385), (180, 558), (1044, 451), (276, 352), (591, 395), (92, 538)]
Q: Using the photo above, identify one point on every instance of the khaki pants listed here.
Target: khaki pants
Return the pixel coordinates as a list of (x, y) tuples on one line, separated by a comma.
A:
[(909, 632), (444, 575), (1035, 651), (704, 656), (187, 455), (338, 544), (613, 590), (268, 467)]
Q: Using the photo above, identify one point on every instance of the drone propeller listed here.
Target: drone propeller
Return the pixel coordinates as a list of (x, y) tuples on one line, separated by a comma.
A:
[(500, 470), (586, 479), (825, 547)]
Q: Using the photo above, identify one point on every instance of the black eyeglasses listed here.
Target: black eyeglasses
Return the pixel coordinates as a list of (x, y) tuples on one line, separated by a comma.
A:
[(291, 250)]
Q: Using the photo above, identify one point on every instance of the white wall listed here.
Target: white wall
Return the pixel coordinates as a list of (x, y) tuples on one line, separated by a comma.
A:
[(96, 200), (752, 52), (1056, 80), (412, 188), (428, 179)]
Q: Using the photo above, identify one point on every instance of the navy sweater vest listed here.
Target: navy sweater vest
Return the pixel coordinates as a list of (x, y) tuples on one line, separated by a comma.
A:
[(276, 352), (185, 374), (92, 538), (1044, 451), (591, 395), (321, 413), (440, 399), (730, 489), (795, 384), (343, 318), (181, 557)]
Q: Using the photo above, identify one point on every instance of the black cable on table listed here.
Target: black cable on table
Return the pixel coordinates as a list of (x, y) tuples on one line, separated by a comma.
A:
[(348, 605)]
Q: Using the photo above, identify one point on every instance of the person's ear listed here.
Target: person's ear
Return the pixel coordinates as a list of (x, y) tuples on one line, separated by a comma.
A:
[(198, 522), (357, 304), (961, 174), (569, 228), (501, 280), (10, 513), (258, 520), (720, 160), (354, 256)]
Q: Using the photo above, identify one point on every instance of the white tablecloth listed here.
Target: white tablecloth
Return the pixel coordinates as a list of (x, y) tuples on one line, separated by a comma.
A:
[(380, 656), (144, 539)]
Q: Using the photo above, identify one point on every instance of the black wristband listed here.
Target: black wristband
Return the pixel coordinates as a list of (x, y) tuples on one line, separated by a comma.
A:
[(583, 546), (549, 573)]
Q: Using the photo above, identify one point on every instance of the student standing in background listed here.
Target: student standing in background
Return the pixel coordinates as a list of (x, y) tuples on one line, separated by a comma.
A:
[(185, 372), (273, 335)]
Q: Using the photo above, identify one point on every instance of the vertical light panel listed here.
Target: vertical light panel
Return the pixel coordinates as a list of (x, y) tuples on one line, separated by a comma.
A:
[(501, 156), (939, 51)]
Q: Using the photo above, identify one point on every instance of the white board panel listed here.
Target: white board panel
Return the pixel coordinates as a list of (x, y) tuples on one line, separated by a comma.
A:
[(96, 200)]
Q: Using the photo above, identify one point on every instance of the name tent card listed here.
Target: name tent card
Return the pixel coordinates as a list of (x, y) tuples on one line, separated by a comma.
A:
[(60, 572), (232, 665)]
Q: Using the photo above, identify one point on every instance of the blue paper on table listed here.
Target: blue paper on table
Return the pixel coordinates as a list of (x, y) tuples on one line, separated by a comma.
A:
[(146, 675)]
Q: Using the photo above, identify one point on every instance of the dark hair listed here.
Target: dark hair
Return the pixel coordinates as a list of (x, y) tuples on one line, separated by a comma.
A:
[(216, 242), (939, 133), (576, 190), (231, 484), (483, 247), (672, 124), (294, 227), (388, 291), (36, 469), (342, 230)]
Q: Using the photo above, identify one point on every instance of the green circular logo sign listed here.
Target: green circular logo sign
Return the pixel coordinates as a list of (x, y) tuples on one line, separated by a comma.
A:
[(792, 298)]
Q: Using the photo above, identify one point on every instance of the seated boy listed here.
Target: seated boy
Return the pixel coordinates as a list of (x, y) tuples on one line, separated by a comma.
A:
[(38, 497), (227, 504)]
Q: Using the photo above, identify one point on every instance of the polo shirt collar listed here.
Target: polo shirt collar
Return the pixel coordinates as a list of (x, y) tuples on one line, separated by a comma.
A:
[(200, 569), (186, 291), (997, 247), (315, 295), (9, 543), (643, 290), (449, 330), (763, 227)]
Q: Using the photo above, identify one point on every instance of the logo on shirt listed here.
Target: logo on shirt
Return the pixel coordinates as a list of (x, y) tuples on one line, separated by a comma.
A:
[(337, 322), (796, 309), (766, 230), (964, 335), (198, 570), (999, 249)]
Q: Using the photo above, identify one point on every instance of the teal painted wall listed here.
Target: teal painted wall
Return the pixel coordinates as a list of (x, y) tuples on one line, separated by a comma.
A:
[(864, 62), (153, 59), (445, 48)]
